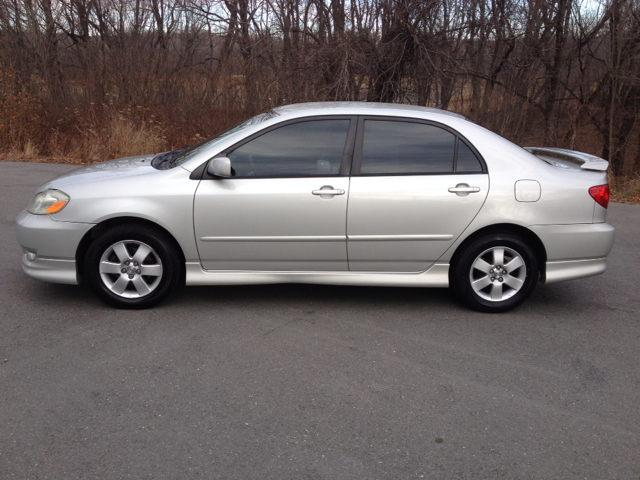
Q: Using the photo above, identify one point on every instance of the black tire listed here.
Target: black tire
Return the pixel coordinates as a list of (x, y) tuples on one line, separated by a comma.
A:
[(487, 288), (117, 260)]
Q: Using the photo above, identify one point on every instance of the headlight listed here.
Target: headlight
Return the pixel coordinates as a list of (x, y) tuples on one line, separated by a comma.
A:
[(47, 202)]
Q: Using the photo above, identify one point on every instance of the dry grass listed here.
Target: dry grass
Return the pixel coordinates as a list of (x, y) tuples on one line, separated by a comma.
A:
[(120, 137), (625, 190)]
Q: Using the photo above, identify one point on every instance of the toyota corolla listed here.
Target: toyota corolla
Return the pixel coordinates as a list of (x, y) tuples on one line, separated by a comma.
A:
[(327, 193)]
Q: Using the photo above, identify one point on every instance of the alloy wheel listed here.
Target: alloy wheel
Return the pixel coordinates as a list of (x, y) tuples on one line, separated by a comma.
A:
[(130, 269), (497, 274)]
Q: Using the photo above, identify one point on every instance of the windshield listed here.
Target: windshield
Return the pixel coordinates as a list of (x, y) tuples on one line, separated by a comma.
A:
[(191, 152)]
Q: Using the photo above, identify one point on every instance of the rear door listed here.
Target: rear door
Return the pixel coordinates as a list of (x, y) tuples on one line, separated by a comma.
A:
[(415, 187)]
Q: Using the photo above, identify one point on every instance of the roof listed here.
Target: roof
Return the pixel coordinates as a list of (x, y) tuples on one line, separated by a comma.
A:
[(326, 107)]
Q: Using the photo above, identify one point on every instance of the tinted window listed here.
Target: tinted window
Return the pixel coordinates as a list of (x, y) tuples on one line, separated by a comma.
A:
[(467, 161), (403, 147), (305, 149)]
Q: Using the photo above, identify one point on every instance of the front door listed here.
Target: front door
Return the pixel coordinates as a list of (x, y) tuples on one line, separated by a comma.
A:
[(285, 206)]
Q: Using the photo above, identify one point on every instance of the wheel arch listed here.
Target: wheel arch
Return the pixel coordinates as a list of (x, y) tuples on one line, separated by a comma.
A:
[(527, 235), (112, 222)]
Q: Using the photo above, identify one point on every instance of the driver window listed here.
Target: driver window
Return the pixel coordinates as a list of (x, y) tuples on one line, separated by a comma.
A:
[(306, 149)]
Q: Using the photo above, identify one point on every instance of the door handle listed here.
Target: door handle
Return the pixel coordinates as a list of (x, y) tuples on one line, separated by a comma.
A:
[(328, 191), (462, 189)]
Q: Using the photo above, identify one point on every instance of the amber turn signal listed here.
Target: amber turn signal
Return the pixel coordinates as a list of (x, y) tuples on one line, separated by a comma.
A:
[(56, 206)]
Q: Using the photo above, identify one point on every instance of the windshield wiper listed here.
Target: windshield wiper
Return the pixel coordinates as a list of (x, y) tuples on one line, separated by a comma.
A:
[(269, 114), (165, 161)]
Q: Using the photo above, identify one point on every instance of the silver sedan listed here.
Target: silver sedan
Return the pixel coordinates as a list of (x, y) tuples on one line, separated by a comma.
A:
[(327, 193)]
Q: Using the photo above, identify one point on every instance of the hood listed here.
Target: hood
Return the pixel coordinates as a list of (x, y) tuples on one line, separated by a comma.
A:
[(121, 167)]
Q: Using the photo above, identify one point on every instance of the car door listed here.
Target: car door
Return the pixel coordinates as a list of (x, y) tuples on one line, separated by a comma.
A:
[(415, 187), (284, 207)]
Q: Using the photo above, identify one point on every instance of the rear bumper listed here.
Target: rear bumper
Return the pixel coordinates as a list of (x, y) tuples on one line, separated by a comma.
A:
[(572, 269), (582, 241), (575, 251)]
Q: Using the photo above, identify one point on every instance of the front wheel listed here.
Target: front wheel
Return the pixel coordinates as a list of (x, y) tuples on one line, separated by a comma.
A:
[(132, 266), (495, 273)]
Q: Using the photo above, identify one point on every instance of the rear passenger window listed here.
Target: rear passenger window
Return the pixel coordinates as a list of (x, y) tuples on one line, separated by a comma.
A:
[(392, 147)]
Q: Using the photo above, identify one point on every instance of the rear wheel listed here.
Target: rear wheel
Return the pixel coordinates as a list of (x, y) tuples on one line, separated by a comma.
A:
[(133, 266), (495, 273)]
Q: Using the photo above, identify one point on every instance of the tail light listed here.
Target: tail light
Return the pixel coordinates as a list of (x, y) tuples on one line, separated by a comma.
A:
[(600, 194)]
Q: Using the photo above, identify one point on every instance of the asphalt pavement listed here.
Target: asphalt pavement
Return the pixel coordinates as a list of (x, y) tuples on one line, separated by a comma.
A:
[(317, 382)]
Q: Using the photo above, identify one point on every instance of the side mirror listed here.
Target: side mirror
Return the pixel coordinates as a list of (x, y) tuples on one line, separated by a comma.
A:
[(219, 167)]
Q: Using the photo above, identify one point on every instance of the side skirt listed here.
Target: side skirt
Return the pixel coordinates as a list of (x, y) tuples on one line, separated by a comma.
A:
[(436, 276)]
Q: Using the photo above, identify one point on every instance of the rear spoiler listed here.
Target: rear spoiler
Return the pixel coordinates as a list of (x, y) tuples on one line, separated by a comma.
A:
[(588, 162)]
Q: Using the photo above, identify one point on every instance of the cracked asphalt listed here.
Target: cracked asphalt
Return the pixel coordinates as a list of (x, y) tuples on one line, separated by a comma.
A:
[(318, 382)]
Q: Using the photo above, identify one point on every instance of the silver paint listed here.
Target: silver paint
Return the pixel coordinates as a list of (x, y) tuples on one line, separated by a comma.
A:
[(333, 230)]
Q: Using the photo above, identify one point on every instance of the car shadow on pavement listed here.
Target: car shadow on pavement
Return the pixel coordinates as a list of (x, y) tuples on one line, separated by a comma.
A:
[(337, 295)]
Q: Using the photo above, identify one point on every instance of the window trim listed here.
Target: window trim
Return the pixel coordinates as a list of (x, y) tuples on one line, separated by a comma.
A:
[(347, 152), (356, 164)]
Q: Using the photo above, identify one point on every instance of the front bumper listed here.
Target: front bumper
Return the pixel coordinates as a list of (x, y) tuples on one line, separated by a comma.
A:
[(50, 270), (54, 245)]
